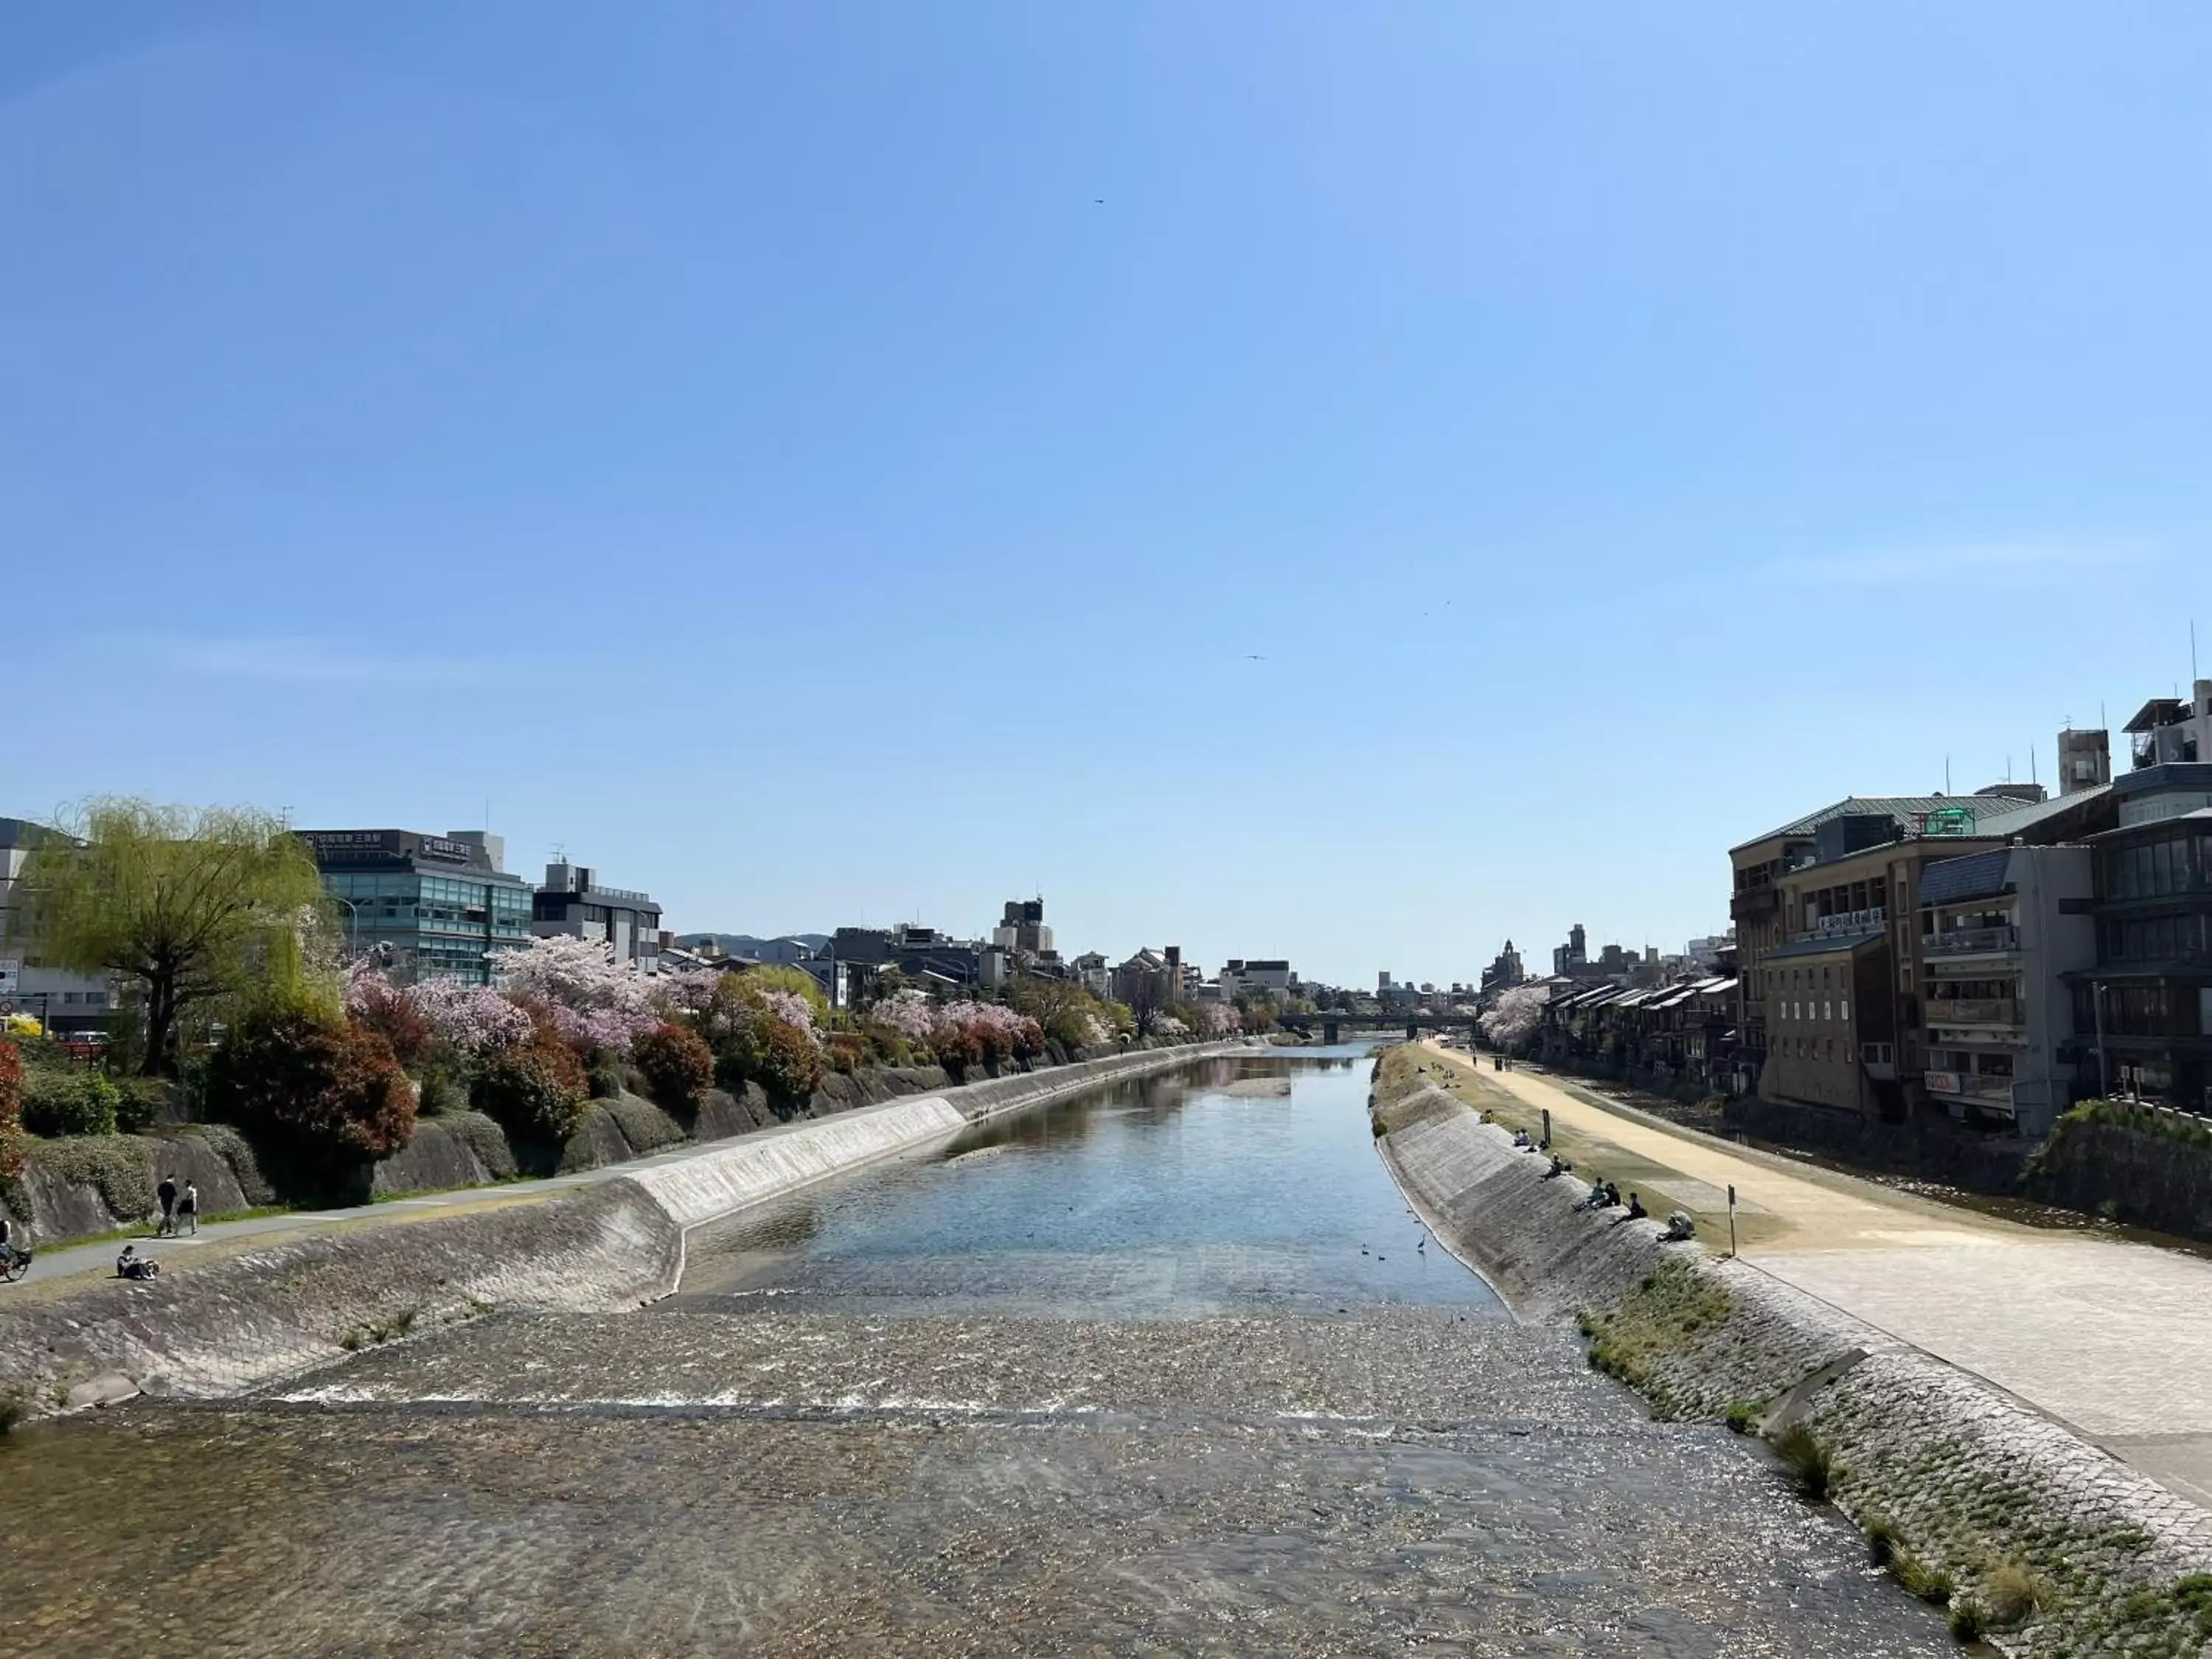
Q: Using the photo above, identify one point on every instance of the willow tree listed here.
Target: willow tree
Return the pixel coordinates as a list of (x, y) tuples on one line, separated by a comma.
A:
[(195, 903)]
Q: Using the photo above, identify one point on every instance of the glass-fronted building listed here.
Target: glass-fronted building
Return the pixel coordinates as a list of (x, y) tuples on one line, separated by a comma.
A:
[(442, 903)]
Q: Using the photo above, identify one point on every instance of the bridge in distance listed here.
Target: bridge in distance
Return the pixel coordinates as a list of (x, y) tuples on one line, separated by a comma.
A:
[(1332, 1020)]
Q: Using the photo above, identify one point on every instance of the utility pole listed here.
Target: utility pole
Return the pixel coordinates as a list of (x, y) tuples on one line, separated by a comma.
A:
[(2103, 1077)]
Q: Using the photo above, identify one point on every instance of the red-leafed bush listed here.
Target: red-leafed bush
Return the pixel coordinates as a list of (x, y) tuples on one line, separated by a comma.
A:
[(324, 1095), (677, 1065), (11, 1111), (538, 1091), (377, 1005)]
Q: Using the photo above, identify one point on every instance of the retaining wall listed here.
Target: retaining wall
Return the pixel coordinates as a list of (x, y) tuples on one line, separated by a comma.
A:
[(1969, 1479), (228, 1324)]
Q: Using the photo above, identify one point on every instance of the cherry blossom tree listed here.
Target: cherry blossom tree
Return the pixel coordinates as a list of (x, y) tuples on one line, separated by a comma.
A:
[(908, 1014), (1217, 1019), (1518, 1013), (597, 1003), (475, 1019)]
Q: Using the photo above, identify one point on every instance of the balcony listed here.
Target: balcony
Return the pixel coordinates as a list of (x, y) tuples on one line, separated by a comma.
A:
[(1753, 902), (1966, 1086), (1973, 1010), (1972, 942)]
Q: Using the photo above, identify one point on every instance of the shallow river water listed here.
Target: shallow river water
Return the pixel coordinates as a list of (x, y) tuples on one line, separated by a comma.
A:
[(1167, 1370)]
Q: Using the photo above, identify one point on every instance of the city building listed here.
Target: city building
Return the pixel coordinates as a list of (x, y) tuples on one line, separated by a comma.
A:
[(1023, 931), (1830, 965), (2170, 731), (61, 1001), (441, 905), (1240, 978), (2144, 1010), (1574, 954), (2085, 760), (574, 902), (1505, 971), (1709, 952), (934, 961), (1150, 978), (1093, 974), (2000, 932)]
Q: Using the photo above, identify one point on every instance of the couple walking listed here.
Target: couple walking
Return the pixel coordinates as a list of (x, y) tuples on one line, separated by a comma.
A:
[(180, 1212)]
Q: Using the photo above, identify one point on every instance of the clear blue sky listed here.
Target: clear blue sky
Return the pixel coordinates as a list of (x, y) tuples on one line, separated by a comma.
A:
[(825, 461)]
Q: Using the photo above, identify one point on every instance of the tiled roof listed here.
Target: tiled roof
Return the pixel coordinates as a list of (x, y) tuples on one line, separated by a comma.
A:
[(1993, 815), (1899, 807), (1977, 875)]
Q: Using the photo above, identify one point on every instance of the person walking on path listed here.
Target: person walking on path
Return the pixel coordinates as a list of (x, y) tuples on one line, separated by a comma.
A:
[(167, 1192), (188, 1209)]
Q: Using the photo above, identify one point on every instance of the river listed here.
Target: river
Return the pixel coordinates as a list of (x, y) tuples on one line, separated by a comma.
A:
[(1170, 1368)]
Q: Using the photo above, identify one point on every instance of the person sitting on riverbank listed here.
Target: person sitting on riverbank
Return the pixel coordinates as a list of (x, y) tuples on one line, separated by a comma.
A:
[(1559, 1167), (1612, 1196), (1523, 1140), (1636, 1210), (1679, 1227), (1596, 1201), (131, 1265)]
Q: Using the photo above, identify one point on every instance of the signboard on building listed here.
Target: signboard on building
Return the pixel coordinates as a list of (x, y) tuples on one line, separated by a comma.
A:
[(11, 975), (358, 847), (1948, 821)]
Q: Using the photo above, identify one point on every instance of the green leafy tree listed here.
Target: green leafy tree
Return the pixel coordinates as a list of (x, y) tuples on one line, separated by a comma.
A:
[(194, 903)]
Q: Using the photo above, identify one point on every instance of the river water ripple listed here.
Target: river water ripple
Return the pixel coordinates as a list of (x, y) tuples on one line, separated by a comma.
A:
[(1114, 1378)]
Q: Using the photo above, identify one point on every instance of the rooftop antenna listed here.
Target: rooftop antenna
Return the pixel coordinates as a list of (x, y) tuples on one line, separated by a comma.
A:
[(2192, 653), (1947, 774)]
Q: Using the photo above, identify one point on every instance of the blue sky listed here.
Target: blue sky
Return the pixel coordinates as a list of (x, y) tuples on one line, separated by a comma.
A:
[(1344, 482)]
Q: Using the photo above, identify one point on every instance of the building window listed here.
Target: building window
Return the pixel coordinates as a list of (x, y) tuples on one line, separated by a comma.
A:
[(1843, 1010)]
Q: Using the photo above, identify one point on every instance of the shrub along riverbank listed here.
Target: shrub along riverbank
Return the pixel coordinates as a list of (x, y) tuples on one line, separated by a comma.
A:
[(573, 1063)]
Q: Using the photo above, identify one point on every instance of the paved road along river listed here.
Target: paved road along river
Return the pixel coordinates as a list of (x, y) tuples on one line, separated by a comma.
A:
[(1162, 1370)]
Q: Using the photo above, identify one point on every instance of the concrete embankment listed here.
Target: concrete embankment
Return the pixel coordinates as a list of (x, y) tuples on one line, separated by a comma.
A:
[(233, 1323), (2031, 1531)]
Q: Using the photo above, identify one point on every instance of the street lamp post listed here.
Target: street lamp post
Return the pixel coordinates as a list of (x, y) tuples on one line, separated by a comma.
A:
[(2103, 1077), (353, 928)]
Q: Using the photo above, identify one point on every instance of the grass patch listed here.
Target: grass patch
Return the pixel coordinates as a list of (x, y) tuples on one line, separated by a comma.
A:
[(1810, 1465), (1661, 1318), (1742, 1415), (1931, 1585), (2011, 1593), (14, 1409), (1881, 1540), (1966, 1621)]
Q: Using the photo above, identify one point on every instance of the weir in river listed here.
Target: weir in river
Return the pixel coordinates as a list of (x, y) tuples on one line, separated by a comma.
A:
[(1168, 1366)]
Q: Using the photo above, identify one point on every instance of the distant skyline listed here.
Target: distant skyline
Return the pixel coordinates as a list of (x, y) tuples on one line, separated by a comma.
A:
[(1351, 483)]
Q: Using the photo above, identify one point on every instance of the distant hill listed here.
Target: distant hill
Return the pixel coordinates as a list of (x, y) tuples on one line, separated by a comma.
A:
[(749, 944)]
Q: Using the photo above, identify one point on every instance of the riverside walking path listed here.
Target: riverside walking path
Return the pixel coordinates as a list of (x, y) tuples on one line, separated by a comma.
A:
[(2113, 1339), (218, 1239)]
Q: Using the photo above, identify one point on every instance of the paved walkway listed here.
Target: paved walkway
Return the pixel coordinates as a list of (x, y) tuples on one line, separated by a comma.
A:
[(2113, 1339), (227, 1237)]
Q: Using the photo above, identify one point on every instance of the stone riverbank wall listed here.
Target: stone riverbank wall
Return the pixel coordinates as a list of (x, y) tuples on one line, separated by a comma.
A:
[(2036, 1536), (213, 1329)]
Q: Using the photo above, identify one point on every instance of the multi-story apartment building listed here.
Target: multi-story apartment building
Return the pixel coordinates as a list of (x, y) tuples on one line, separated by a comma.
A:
[(575, 902), (1831, 967), (2143, 1013), (1999, 933)]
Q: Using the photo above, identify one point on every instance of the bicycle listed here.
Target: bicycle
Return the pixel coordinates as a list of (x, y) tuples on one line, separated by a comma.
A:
[(15, 1263)]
